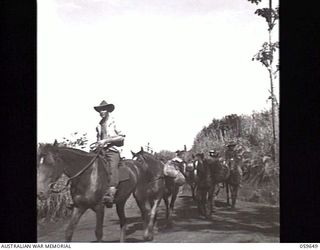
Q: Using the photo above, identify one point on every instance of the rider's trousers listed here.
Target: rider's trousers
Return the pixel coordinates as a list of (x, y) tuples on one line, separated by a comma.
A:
[(114, 159)]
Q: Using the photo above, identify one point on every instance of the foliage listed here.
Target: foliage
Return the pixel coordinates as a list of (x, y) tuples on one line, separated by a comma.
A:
[(265, 56), (254, 147), (76, 140), (255, 1), (271, 16), (164, 155)]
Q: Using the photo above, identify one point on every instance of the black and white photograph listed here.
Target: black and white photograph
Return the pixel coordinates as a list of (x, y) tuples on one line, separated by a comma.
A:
[(158, 121)]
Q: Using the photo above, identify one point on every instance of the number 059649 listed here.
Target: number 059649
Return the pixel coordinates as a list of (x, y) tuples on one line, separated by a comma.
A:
[(308, 245)]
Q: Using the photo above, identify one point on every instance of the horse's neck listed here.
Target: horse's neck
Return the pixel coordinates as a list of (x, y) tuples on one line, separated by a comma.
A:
[(74, 162), (154, 165)]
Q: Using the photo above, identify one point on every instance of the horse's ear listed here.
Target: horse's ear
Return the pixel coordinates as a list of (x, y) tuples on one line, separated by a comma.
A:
[(133, 154), (55, 143), (141, 149)]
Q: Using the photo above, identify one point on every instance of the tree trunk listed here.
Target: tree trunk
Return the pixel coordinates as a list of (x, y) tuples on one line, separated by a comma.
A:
[(272, 95)]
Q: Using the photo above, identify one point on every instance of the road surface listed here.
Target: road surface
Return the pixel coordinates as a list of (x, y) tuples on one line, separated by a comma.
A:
[(249, 222)]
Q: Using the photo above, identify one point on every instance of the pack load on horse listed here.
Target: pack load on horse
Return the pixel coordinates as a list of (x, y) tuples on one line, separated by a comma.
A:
[(175, 168)]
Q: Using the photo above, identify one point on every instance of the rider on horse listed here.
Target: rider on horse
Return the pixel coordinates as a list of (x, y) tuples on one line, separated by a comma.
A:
[(110, 138)]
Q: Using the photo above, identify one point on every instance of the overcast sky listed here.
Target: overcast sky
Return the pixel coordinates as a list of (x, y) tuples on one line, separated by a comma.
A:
[(168, 66)]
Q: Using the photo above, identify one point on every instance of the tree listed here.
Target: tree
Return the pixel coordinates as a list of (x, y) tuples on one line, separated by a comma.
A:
[(76, 140), (266, 56)]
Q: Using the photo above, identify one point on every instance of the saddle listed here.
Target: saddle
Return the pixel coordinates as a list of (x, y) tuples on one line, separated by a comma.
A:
[(123, 170)]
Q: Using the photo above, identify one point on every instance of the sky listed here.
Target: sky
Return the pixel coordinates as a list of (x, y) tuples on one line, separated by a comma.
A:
[(168, 66)]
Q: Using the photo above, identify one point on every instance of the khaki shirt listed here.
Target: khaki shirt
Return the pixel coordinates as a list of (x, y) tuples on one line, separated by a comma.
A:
[(108, 129)]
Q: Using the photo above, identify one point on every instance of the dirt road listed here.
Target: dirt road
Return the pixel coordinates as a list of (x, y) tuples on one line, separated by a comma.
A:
[(249, 222)]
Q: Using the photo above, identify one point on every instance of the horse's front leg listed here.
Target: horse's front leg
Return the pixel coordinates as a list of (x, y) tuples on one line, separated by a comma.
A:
[(123, 220), (227, 191), (166, 202), (99, 209), (148, 234), (234, 194), (193, 187), (210, 201), (201, 201), (75, 217), (141, 202)]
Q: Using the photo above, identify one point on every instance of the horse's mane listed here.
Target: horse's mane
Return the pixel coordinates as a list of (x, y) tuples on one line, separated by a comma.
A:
[(47, 146), (77, 151), (146, 153)]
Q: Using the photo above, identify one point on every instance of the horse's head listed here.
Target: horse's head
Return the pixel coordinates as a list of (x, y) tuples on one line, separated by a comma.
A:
[(234, 161), (148, 162), (198, 160), (140, 157), (48, 170)]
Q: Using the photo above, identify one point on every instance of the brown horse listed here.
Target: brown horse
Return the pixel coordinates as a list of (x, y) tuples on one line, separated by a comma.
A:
[(212, 172), (89, 179), (170, 189)]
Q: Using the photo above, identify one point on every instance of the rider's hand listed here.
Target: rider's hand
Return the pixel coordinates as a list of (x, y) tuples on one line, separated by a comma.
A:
[(102, 142)]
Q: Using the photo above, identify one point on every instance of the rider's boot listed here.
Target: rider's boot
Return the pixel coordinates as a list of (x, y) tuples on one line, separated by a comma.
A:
[(108, 197)]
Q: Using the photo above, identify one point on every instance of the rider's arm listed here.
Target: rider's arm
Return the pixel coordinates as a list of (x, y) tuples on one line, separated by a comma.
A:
[(116, 138)]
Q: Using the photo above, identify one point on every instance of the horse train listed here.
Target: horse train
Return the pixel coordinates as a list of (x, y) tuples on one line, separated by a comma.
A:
[(143, 176)]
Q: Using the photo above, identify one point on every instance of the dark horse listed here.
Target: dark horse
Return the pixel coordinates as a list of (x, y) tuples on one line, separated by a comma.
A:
[(88, 182), (171, 188), (212, 172)]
